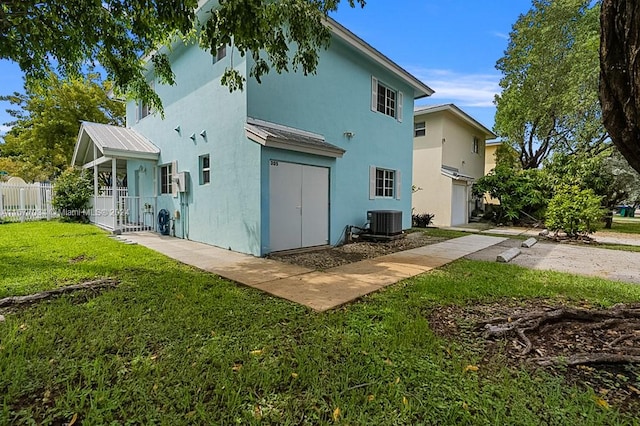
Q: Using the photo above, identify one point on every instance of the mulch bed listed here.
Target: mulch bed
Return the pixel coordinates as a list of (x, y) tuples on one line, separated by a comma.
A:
[(349, 253), (604, 348)]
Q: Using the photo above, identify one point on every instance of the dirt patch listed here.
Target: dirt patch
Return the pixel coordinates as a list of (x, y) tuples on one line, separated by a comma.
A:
[(617, 384), (354, 252)]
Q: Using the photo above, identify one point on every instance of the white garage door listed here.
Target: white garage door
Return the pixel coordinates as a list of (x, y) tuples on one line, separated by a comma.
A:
[(458, 205), (298, 205)]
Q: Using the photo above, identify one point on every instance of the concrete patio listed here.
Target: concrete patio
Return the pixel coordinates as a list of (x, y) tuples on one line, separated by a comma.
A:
[(319, 290)]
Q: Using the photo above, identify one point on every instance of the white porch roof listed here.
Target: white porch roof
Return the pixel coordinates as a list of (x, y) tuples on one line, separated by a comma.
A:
[(111, 142)]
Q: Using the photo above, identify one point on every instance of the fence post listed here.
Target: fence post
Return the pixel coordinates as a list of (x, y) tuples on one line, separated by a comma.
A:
[(47, 195), (22, 205), (1, 203)]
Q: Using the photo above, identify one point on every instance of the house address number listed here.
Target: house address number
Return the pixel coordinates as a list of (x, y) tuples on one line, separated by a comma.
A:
[(274, 163)]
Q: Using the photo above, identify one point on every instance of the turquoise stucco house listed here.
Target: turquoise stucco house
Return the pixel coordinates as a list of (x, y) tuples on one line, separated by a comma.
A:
[(284, 164)]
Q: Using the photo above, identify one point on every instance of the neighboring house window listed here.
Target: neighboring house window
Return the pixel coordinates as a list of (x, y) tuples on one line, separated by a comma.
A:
[(476, 145), (165, 179), (205, 169), (386, 100), (220, 53), (419, 129)]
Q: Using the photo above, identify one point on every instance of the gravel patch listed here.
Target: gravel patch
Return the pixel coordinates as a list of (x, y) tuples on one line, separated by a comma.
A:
[(349, 253)]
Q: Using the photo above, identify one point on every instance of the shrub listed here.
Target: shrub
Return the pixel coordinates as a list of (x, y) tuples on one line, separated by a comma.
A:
[(422, 220), (575, 211), (73, 190)]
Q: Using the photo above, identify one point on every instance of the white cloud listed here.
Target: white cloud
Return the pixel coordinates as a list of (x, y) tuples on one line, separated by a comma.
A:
[(4, 129), (472, 90), (500, 35)]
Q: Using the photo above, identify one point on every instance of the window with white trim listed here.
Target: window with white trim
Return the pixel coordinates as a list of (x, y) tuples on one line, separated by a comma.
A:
[(386, 100), (165, 180), (384, 183), (476, 145), (143, 109), (221, 52), (419, 129), (205, 169)]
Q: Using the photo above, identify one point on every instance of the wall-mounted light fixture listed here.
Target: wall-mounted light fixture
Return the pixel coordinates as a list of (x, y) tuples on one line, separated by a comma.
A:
[(443, 140), (349, 135)]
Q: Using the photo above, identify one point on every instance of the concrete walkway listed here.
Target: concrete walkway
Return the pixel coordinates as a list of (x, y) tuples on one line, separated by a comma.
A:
[(318, 290)]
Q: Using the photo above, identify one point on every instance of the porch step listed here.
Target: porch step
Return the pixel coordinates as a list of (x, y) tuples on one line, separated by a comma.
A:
[(123, 240)]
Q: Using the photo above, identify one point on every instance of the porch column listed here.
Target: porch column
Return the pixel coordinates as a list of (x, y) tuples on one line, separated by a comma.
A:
[(114, 193), (95, 183)]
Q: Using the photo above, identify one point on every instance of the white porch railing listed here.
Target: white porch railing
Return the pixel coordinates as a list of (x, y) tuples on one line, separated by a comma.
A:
[(128, 214), (26, 202)]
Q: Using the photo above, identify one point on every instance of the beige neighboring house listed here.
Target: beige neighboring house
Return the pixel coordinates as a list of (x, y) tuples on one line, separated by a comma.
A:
[(489, 164), (448, 156)]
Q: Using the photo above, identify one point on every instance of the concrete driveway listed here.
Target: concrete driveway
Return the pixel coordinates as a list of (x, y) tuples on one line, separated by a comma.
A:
[(576, 259)]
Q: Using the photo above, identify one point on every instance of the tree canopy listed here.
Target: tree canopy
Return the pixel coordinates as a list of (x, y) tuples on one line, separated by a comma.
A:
[(549, 99), (68, 35), (42, 138), (620, 75)]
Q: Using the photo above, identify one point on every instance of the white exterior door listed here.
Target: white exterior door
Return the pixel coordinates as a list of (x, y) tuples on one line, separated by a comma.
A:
[(458, 204), (298, 206)]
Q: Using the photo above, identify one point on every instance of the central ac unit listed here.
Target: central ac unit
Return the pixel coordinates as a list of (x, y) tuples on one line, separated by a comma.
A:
[(385, 222)]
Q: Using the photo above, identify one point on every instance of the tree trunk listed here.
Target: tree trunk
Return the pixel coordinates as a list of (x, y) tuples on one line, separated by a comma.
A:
[(620, 75)]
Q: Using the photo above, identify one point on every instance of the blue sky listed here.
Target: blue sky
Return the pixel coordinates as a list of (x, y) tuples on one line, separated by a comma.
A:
[(450, 45)]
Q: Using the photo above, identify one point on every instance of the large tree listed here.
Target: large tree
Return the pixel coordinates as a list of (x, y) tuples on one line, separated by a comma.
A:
[(47, 121), (69, 34), (620, 75), (549, 99)]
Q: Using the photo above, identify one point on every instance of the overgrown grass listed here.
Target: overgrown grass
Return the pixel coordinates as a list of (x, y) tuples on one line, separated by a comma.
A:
[(173, 345)]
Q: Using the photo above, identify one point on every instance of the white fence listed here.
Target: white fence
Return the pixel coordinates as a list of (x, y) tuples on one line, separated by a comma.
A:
[(124, 212), (25, 202)]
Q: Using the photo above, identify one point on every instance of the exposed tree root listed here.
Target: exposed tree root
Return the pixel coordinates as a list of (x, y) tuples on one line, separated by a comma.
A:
[(621, 324), (32, 298), (586, 358)]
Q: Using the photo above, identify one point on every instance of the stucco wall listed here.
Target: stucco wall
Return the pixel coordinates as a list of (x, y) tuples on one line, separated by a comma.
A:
[(448, 142), (337, 99), (225, 212)]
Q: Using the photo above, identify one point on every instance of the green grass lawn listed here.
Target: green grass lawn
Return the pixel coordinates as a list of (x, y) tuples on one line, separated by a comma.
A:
[(174, 345), (625, 225)]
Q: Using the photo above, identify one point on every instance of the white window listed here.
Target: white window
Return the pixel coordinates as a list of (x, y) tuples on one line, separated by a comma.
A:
[(384, 183), (220, 53), (165, 179), (419, 129), (143, 109), (205, 169), (386, 100), (476, 145)]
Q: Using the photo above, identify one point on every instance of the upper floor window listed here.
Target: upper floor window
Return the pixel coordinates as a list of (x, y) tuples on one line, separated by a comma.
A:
[(205, 169), (476, 145), (386, 100), (143, 109), (419, 129), (220, 53), (165, 179)]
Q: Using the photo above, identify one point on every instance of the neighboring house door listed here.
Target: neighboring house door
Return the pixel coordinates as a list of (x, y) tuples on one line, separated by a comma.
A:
[(458, 204), (298, 206)]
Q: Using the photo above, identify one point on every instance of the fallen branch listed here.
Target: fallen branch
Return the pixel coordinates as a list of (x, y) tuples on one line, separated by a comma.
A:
[(586, 358), (31, 298)]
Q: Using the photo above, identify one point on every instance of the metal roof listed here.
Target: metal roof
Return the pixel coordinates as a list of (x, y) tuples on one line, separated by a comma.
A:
[(111, 141), (278, 136)]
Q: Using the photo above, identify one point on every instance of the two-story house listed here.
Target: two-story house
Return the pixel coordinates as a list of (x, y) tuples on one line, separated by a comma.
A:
[(448, 156), (286, 163)]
